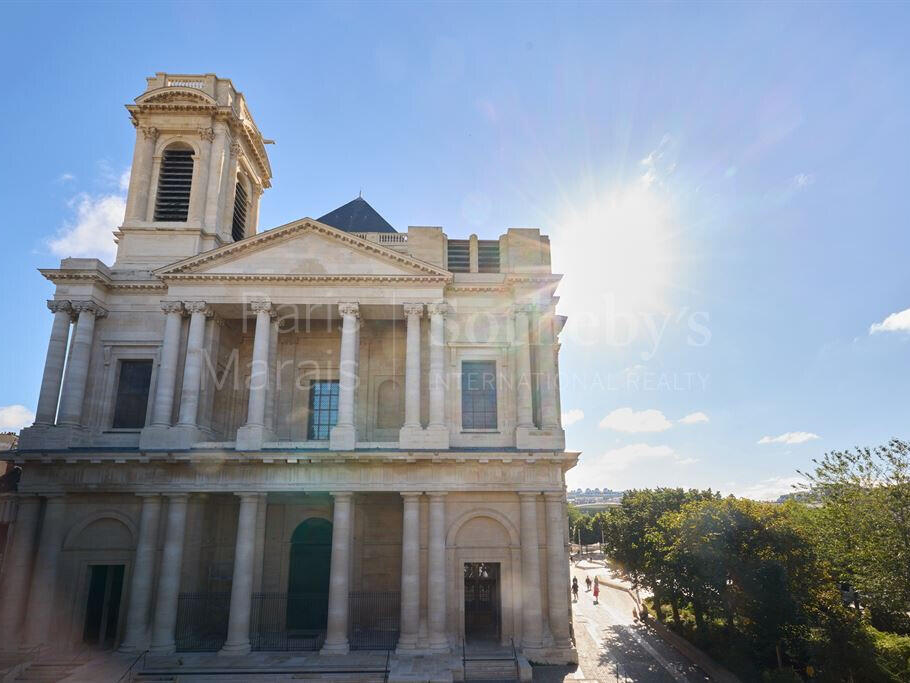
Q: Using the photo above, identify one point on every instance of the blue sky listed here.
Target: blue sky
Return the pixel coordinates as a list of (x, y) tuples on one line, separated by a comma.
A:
[(725, 186)]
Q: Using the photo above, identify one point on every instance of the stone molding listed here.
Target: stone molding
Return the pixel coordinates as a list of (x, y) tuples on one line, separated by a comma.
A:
[(349, 308), (149, 132), (197, 307), (261, 305), (413, 310), (442, 309), (89, 306), (207, 134), (55, 306), (172, 306)]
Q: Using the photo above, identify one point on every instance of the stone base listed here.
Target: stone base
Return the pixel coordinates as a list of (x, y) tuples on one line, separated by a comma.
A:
[(531, 438), (342, 438), (550, 655), (431, 438), (334, 649), (251, 438), (184, 436), (52, 437), (154, 438), (235, 649)]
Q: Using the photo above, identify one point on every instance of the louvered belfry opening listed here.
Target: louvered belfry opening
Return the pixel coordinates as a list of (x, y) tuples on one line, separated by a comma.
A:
[(488, 256), (175, 181), (238, 228), (459, 256)]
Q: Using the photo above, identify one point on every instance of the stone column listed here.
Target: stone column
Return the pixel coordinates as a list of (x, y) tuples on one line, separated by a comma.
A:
[(228, 191), (523, 369), (436, 573), (46, 412), (530, 574), (218, 160), (199, 188), (210, 372), (438, 366), (141, 175), (163, 407), (557, 570), (77, 371), (259, 551), (238, 635), (42, 602), (410, 572), (17, 571), (344, 434), (336, 637), (253, 215), (549, 382), (192, 368), (410, 431), (165, 621), (250, 436), (272, 390), (137, 616)]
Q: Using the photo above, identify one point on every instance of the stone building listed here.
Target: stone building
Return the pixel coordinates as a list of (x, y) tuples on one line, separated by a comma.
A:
[(328, 435)]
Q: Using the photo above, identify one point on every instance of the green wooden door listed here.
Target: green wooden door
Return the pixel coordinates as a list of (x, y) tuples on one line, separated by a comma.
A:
[(308, 575)]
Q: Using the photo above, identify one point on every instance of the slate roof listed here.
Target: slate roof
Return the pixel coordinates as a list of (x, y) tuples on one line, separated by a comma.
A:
[(357, 216)]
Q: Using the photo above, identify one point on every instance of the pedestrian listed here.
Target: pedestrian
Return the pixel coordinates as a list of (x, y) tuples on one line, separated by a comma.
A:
[(596, 590), (588, 583), (574, 589)]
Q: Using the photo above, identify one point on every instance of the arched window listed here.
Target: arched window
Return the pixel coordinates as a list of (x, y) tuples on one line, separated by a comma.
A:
[(241, 204), (175, 180)]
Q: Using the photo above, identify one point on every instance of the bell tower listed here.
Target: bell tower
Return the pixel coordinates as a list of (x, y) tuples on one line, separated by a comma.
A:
[(199, 170)]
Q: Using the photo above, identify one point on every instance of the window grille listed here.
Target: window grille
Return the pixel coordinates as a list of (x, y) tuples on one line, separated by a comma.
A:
[(459, 256), (132, 394), (488, 256), (323, 409), (478, 394), (238, 229), (175, 180)]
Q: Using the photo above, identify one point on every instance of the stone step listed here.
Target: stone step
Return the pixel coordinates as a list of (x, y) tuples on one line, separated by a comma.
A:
[(490, 670), (46, 672)]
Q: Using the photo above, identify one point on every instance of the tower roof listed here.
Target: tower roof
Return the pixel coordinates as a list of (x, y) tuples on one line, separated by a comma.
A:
[(357, 216)]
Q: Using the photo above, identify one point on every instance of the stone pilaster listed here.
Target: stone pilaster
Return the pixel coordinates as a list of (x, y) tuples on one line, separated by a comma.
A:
[(251, 436), (558, 573), (343, 436), (410, 434), (137, 199), (199, 188), (218, 163), (271, 396), (531, 627)]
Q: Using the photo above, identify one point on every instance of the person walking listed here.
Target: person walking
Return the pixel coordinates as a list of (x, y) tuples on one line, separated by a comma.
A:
[(588, 583), (596, 590), (574, 589)]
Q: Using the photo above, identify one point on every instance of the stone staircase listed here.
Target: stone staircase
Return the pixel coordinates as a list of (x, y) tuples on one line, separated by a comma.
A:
[(490, 670), (47, 671)]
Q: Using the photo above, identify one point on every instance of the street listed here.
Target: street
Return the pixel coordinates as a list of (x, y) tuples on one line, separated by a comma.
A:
[(613, 647)]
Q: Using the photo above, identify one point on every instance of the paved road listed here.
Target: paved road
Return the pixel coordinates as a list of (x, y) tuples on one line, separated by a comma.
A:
[(613, 648)]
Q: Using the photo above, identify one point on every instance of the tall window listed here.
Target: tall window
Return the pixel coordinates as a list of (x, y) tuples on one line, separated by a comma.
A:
[(241, 203), (459, 256), (488, 256), (132, 394), (323, 408), (175, 179), (478, 394)]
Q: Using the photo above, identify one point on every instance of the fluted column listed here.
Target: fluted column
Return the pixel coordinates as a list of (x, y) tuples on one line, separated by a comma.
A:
[(549, 382), (73, 395), (250, 436), (137, 616), (192, 368), (165, 620), (218, 161), (410, 571), (53, 363), (344, 433), (17, 572), (336, 637), (238, 635), (436, 572), (42, 602), (523, 369), (199, 188), (557, 570), (530, 574), (272, 390), (141, 174), (163, 407)]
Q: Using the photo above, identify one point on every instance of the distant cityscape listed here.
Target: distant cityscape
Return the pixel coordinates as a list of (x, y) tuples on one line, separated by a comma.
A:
[(594, 499)]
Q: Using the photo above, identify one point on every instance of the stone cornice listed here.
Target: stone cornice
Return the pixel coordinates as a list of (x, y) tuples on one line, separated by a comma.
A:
[(286, 232), (63, 276), (358, 280)]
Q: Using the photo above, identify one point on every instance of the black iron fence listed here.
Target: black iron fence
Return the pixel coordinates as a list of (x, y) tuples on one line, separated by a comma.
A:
[(287, 622)]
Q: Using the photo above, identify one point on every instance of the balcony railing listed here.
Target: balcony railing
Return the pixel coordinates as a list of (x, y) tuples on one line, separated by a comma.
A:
[(385, 238)]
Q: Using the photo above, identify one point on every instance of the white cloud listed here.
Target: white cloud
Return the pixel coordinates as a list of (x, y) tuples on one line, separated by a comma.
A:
[(693, 418), (896, 322), (633, 455), (790, 438), (802, 180), (90, 232), (15, 417), (65, 177), (770, 489), (633, 422), (572, 416)]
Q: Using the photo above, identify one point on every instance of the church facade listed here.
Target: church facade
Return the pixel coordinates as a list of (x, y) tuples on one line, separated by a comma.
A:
[(325, 436)]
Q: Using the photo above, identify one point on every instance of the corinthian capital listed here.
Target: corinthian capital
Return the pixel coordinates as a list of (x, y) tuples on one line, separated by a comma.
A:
[(413, 309), (236, 149), (59, 306), (261, 305), (207, 134), (172, 306), (89, 307), (441, 308), (197, 307), (149, 132), (345, 309)]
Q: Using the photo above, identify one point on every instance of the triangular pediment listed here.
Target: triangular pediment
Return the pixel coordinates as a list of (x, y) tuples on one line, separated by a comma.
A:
[(307, 249)]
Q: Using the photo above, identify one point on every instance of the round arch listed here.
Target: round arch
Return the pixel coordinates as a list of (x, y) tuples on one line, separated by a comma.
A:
[(72, 535), (309, 572), (482, 512)]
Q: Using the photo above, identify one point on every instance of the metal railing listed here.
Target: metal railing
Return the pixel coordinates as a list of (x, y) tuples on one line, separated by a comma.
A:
[(202, 621)]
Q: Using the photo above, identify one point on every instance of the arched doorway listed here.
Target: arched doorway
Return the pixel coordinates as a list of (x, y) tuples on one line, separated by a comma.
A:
[(308, 575)]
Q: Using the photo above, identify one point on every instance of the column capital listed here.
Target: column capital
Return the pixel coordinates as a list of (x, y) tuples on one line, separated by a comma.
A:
[(55, 306), (259, 305), (148, 496), (437, 495), (245, 496), (522, 309), (197, 307), (439, 309), (206, 134), (528, 495), (411, 495), (341, 495), (177, 497), (554, 496), (172, 306), (413, 310), (349, 308), (236, 149), (90, 307), (149, 132)]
